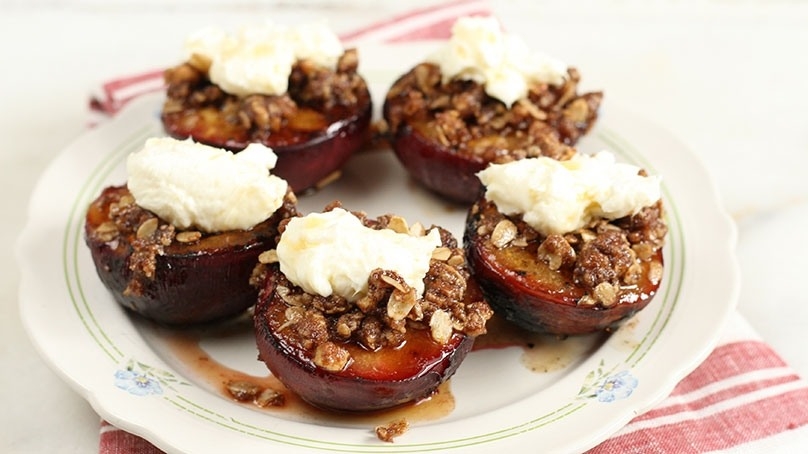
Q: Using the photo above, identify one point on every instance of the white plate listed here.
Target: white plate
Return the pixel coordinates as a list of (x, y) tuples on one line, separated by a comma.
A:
[(499, 403)]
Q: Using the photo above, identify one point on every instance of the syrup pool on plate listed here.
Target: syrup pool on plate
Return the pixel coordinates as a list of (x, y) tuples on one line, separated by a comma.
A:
[(222, 358)]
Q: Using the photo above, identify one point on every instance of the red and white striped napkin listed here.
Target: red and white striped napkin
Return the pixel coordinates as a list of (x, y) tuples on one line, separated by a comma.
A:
[(429, 23), (742, 398)]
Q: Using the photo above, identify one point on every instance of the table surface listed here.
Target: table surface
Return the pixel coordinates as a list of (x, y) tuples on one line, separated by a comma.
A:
[(727, 78)]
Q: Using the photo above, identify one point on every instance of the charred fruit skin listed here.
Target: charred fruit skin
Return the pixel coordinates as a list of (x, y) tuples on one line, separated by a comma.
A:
[(436, 167)]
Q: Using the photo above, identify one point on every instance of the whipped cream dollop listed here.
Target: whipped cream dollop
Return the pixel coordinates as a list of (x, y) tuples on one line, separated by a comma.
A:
[(479, 50), (333, 253), (258, 59), (194, 185), (561, 196)]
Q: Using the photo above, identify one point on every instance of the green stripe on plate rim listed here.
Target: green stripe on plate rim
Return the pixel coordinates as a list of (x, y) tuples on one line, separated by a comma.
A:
[(73, 240), (676, 269)]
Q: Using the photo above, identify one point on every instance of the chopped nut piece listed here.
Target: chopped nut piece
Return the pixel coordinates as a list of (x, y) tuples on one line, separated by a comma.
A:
[(643, 250), (389, 431), (270, 256), (107, 231), (456, 260), (283, 291), (531, 109), (606, 293), (556, 252), (348, 62), (519, 242), (440, 325), (399, 283), (348, 323), (633, 274), (417, 313), (483, 229), (293, 299), (655, 271), (504, 232), (199, 62), (426, 77), (400, 304), (417, 229), (147, 228), (366, 303), (270, 398), (442, 254), (587, 235), (398, 224), (126, 200), (331, 356), (188, 237), (577, 110), (379, 283), (243, 391)]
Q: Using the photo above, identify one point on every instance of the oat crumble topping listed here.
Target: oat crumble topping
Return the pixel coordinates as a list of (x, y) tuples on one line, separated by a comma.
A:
[(388, 432), (461, 116), (316, 97), (127, 225), (604, 258)]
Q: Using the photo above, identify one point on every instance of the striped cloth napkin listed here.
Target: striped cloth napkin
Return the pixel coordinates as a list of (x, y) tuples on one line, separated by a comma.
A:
[(742, 398)]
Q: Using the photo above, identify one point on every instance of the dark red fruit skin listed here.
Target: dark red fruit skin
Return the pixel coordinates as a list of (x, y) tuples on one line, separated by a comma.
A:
[(193, 283), (538, 307), (302, 164), (415, 373), (306, 164), (439, 169)]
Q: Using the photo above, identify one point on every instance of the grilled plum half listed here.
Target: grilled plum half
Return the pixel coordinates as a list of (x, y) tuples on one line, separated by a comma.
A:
[(374, 380), (170, 276), (388, 348), (444, 132), (313, 128), (613, 273)]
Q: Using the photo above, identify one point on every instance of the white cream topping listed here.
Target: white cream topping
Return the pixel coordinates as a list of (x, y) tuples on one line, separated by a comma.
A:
[(258, 59), (561, 196), (479, 50), (333, 253), (194, 185)]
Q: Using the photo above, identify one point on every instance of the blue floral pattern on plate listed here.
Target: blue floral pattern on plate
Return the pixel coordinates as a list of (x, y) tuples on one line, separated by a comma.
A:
[(608, 385), (140, 379), (137, 383)]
